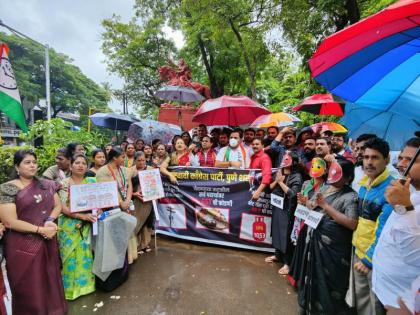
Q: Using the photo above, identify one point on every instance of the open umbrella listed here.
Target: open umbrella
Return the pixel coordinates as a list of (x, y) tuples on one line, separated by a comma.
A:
[(276, 119), (321, 104), (330, 126), (229, 110), (112, 121), (179, 94), (375, 62), (394, 128), (148, 130)]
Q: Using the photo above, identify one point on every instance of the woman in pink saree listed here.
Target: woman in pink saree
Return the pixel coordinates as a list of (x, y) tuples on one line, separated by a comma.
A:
[(28, 208)]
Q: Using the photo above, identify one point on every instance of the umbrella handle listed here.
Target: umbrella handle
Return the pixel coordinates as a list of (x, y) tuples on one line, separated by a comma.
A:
[(413, 160)]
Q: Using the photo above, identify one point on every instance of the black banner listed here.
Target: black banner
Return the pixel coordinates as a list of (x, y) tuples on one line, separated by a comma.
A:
[(214, 205)]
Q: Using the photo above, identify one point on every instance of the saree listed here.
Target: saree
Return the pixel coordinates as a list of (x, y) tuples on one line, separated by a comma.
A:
[(75, 252), (33, 264), (325, 262)]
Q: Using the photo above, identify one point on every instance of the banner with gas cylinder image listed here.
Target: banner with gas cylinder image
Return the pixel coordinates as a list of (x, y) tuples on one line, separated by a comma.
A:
[(214, 206)]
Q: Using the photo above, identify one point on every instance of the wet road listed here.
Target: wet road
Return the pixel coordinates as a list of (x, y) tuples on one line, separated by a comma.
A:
[(187, 278)]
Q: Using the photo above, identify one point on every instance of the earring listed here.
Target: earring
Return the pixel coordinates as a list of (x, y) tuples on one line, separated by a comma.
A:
[(17, 172)]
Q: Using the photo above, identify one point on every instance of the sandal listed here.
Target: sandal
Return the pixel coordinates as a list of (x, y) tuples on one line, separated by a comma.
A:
[(284, 271), (270, 259), (147, 249)]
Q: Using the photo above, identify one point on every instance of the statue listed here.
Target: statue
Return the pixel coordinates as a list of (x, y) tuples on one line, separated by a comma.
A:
[(181, 75)]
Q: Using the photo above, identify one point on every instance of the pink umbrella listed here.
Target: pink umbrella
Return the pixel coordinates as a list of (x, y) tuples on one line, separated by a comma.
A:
[(229, 110), (321, 104)]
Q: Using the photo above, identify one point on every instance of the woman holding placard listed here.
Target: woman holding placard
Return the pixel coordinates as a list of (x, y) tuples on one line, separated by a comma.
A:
[(143, 209), (287, 183), (28, 208), (74, 236), (327, 253)]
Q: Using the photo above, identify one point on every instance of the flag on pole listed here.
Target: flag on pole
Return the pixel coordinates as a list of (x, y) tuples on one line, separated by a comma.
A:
[(10, 103)]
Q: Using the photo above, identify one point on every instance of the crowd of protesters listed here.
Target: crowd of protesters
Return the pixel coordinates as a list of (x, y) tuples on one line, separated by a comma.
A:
[(361, 259)]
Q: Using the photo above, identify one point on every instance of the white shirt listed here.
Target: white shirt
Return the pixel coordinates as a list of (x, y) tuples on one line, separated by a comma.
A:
[(235, 155), (396, 260)]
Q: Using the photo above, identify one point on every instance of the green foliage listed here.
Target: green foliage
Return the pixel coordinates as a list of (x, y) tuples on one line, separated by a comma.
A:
[(71, 90), (6, 165)]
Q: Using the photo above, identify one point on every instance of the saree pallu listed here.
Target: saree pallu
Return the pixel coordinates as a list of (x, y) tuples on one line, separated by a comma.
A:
[(325, 269), (33, 263), (75, 251)]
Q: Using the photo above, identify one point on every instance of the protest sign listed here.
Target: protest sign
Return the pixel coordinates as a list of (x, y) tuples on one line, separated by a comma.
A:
[(277, 201), (151, 184), (93, 196)]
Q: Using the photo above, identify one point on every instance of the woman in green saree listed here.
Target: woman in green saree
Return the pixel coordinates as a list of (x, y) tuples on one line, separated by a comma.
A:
[(74, 236)]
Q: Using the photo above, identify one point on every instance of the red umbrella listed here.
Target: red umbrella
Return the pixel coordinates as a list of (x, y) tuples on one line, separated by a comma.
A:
[(229, 110), (321, 104)]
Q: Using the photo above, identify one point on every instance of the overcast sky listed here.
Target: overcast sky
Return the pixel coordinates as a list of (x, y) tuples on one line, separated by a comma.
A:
[(71, 27)]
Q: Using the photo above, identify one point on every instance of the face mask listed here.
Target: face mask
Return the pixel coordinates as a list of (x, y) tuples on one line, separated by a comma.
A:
[(287, 161), (335, 173), (233, 143), (318, 168)]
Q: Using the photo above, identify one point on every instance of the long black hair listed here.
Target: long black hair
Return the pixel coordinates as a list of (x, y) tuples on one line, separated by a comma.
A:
[(18, 158), (114, 153)]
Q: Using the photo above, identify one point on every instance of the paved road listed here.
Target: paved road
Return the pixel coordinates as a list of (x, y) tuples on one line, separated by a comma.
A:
[(186, 278)]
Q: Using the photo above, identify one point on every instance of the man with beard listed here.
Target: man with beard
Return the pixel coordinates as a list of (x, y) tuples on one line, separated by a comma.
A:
[(223, 140), (272, 133), (373, 211), (338, 148), (308, 154), (202, 131), (396, 259), (249, 136), (285, 141)]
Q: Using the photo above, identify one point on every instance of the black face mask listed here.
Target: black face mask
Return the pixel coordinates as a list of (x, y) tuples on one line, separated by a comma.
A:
[(310, 155)]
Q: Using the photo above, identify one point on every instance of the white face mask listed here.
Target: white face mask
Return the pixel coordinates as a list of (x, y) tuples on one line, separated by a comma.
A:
[(233, 143)]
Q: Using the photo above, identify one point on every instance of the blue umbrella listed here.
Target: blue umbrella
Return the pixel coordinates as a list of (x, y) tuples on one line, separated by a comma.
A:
[(112, 121), (394, 128)]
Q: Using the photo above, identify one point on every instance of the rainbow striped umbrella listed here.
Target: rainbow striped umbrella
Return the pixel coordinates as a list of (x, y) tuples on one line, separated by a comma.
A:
[(276, 119)]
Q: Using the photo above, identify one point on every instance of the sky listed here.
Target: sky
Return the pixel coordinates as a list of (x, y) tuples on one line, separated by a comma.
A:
[(73, 28)]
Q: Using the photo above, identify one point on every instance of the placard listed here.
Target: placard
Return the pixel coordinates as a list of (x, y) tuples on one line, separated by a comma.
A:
[(93, 196), (277, 201), (301, 212), (151, 185), (313, 219)]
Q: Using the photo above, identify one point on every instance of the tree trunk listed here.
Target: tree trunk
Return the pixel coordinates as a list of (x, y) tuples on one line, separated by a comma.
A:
[(215, 89), (353, 11), (251, 70)]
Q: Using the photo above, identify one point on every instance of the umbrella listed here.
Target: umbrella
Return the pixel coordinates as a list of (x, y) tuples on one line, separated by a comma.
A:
[(331, 126), (229, 110), (277, 119), (112, 121), (375, 62), (148, 130), (394, 128), (179, 94), (321, 104)]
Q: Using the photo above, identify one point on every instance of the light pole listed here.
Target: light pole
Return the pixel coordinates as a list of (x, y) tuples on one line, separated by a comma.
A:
[(47, 66)]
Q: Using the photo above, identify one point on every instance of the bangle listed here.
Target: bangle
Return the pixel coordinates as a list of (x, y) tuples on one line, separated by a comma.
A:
[(52, 219), (37, 230)]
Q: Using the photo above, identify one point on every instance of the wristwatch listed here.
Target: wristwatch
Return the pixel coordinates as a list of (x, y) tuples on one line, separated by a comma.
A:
[(402, 210)]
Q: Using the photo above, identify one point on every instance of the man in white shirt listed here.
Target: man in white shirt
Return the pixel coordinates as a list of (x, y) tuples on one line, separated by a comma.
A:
[(396, 260), (234, 155)]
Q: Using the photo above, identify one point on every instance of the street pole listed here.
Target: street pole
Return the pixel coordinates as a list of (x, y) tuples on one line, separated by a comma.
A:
[(47, 81), (47, 66)]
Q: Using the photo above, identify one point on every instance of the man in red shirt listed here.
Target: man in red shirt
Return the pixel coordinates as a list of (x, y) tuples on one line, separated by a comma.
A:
[(260, 160)]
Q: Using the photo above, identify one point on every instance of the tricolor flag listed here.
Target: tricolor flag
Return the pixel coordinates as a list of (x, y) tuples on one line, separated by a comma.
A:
[(10, 103)]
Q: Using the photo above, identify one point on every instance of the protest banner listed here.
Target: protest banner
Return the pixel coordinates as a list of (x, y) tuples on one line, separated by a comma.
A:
[(214, 206), (93, 196)]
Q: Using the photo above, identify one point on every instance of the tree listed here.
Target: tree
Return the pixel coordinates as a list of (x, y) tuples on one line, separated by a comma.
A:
[(71, 90)]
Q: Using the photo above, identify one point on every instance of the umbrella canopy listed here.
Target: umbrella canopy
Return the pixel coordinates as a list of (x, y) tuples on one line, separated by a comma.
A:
[(321, 104), (179, 94), (229, 110), (375, 62), (148, 130), (330, 126), (394, 128), (112, 121), (277, 119)]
